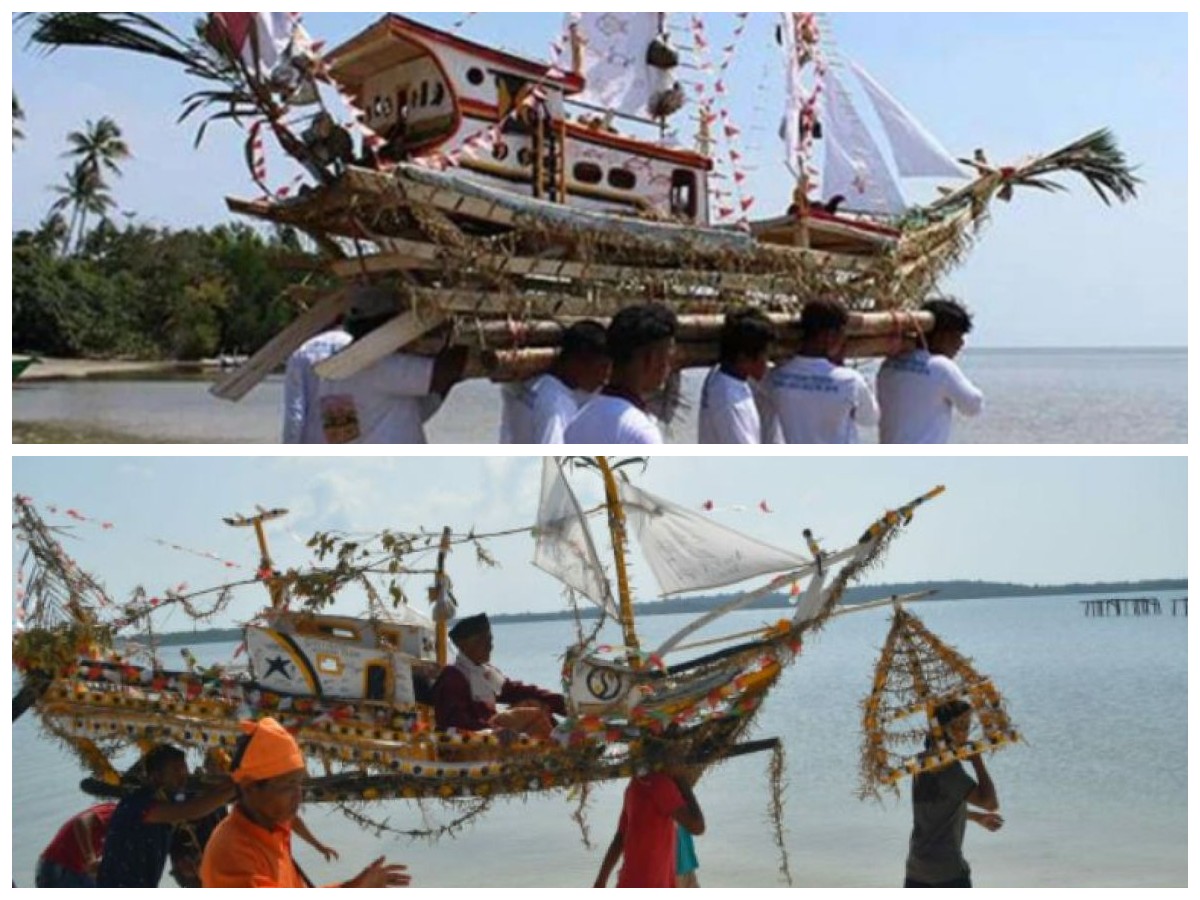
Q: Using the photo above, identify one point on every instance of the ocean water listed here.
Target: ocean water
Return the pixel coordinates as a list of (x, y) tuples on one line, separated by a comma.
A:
[(1033, 397), (1096, 797)]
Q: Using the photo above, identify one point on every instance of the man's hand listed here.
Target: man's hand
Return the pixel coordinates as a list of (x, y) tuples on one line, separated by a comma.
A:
[(328, 852), (380, 874), (989, 820)]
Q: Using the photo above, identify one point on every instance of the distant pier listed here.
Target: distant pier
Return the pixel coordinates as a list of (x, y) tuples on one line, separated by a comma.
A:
[(1126, 606), (1179, 607)]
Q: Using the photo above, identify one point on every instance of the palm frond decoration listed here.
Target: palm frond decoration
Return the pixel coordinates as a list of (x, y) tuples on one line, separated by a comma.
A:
[(1097, 158), (240, 93)]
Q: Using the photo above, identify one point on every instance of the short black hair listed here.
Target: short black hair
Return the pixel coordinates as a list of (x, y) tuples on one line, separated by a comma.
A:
[(821, 316), (637, 327), (584, 340), (949, 315), (951, 710), (159, 757), (748, 333)]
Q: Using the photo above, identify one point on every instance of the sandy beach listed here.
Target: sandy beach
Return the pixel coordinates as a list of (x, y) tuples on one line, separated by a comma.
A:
[(82, 369)]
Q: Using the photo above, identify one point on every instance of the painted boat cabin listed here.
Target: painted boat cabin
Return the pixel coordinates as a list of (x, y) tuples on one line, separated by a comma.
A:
[(426, 92), (344, 658)]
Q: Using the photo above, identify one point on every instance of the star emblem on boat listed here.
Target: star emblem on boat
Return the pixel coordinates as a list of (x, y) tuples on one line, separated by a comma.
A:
[(278, 664)]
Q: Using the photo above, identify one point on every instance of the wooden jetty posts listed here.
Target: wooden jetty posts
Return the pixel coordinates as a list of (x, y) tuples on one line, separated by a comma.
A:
[(1131, 606)]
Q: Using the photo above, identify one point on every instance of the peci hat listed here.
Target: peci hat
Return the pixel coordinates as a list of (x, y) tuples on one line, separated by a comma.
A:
[(470, 627), (370, 303)]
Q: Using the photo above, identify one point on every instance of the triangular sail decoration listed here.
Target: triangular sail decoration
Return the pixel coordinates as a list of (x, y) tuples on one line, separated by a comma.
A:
[(915, 675), (917, 153), (564, 546), (854, 165), (615, 66), (688, 552)]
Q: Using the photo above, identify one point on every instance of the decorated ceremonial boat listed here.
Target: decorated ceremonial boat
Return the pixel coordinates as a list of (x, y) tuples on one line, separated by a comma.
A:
[(355, 690), (499, 198)]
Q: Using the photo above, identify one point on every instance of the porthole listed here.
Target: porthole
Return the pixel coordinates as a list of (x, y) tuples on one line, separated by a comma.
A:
[(622, 179), (588, 173)]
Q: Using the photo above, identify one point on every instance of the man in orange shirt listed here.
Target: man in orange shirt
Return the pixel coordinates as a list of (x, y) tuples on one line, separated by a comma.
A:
[(253, 846)]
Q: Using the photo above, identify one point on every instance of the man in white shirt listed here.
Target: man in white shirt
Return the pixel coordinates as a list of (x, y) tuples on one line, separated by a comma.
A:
[(920, 391), (728, 408), (813, 399), (388, 402), (538, 411), (301, 411), (641, 342)]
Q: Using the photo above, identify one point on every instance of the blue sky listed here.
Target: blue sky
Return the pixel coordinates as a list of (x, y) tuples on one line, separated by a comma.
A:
[(1050, 271), (1031, 520)]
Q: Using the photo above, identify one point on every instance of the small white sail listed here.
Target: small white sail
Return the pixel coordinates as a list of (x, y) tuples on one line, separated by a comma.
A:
[(854, 165), (917, 153), (615, 65), (689, 552), (564, 546), (794, 66)]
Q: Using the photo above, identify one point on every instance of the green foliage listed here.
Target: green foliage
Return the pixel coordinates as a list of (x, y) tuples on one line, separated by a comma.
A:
[(141, 292)]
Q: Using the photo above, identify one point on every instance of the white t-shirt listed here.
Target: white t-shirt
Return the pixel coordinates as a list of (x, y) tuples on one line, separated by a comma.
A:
[(301, 412), (728, 411), (814, 401), (538, 411), (387, 403), (612, 420), (918, 394)]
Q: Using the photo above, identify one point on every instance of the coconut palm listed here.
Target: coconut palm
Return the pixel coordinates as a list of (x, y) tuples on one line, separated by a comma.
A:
[(18, 116), (100, 148), (85, 194)]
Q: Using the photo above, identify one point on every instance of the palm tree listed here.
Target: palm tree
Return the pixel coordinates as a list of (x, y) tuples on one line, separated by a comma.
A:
[(18, 116), (99, 148), (85, 194)]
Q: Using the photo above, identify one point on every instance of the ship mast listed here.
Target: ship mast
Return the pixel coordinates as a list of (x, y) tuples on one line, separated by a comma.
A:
[(266, 568), (620, 543)]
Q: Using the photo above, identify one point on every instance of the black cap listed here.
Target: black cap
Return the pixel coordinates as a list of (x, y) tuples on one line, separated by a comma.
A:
[(470, 627)]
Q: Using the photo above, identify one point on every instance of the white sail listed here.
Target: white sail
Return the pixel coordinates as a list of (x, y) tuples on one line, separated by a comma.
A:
[(689, 552), (854, 165), (615, 66), (790, 130), (564, 546), (917, 153)]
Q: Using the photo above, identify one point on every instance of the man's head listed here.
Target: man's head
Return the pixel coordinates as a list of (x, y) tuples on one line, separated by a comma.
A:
[(166, 768), (823, 328), (583, 362), (473, 637), (954, 718), (370, 308), (951, 325), (641, 342), (746, 343), (269, 771)]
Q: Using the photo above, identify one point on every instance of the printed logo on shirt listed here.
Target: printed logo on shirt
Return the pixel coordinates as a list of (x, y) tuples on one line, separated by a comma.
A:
[(339, 419)]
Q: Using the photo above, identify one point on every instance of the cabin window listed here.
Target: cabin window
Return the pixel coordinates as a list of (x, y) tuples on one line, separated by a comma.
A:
[(684, 198), (500, 151), (622, 179), (588, 173), (525, 156), (439, 94), (377, 682), (424, 93), (328, 664), (476, 76), (339, 632)]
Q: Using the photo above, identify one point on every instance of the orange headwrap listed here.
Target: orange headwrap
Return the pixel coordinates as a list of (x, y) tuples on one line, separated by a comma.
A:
[(272, 752)]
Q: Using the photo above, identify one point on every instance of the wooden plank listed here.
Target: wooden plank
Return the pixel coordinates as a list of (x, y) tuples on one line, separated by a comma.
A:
[(275, 353), (382, 342)]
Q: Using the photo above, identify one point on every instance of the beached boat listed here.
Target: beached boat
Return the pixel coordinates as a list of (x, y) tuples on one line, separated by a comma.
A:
[(496, 200), (20, 365), (355, 690)]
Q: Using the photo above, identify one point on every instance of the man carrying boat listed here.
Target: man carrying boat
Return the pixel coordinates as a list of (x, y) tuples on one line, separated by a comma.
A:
[(72, 858), (466, 694), (538, 411), (813, 398), (729, 411), (301, 387), (252, 847), (390, 401), (139, 833), (920, 391), (641, 342)]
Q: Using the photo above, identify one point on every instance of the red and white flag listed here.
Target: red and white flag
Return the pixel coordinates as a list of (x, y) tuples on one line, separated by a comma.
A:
[(259, 38)]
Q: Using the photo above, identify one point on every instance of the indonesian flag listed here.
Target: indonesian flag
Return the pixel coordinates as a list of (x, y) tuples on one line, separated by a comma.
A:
[(260, 38)]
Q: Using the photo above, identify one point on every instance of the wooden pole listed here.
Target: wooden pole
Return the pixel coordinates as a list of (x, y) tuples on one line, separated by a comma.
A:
[(616, 526)]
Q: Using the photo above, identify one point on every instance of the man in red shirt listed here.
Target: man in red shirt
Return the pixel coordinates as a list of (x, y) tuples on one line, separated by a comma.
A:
[(72, 858), (654, 803)]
